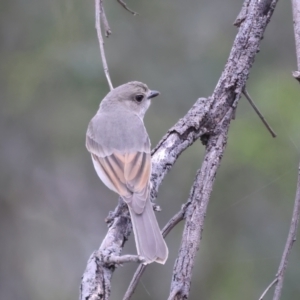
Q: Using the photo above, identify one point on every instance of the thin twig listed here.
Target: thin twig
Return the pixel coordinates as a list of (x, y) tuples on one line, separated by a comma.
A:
[(99, 12), (246, 94), (174, 220), (134, 281), (288, 247), (104, 20), (141, 268), (118, 260), (296, 19), (296, 211), (126, 7), (267, 289)]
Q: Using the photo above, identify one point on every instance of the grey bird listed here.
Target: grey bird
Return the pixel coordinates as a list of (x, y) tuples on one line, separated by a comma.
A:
[(120, 148)]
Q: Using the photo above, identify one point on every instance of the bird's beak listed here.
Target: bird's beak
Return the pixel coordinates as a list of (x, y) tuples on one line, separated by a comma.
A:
[(153, 94)]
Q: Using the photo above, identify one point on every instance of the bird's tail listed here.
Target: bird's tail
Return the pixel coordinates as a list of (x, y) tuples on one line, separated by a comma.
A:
[(148, 238)]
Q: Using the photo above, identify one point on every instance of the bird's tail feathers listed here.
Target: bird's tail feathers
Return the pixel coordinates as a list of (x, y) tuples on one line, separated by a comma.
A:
[(148, 238)]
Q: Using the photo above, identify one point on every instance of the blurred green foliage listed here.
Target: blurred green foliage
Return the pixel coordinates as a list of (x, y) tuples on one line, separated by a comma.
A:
[(52, 205)]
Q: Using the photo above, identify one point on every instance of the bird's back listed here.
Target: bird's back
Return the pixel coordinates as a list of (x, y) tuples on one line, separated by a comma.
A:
[(117, 130)]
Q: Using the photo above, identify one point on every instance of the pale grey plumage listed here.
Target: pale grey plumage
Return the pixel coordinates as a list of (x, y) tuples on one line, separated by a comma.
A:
[(120, 148)]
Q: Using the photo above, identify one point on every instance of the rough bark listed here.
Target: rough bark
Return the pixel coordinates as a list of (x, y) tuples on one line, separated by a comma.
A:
[(252, 21)]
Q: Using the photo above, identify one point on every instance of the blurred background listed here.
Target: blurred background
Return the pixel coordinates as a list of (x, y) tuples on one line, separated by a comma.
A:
[(52, 204)]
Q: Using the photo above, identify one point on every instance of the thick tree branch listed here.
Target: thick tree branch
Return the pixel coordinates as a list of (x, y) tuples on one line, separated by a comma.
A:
[(196, 212), (253, 20), (202, 121)]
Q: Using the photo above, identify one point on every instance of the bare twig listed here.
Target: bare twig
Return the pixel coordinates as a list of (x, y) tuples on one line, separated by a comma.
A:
[(141, 268), (119, 260), (99, 12), (296, 19), (296, 211), (288, 247), (134, 281), (104, 20), (268, 288), (126, 7), (258, 113)]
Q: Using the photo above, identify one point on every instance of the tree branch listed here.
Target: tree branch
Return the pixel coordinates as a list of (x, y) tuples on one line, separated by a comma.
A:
[(289, 242), (126, 7), (201, 121), (278, 280), (246, 94), (268, 288), (141, 268), (296, 211), (253, 20), (99, 12), (196, 212)]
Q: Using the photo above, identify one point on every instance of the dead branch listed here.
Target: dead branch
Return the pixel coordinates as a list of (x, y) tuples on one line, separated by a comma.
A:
[(141, 268), (296, 19), (228, 90), (268, 288), (196, 212), (296, 211), (99, 12), (246, 94), (289, 243), (126, 7), (278, 280)]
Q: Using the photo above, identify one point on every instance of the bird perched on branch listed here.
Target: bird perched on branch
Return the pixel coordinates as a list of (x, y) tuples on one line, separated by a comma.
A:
[(120, 147)]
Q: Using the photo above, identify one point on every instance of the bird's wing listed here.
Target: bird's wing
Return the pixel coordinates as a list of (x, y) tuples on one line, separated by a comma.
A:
[(126, 172)]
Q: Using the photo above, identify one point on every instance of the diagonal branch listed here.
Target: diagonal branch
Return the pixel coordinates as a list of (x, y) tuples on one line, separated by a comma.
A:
[(196, 212), (278, 280), (141, 268), (246, 94), (126, 7), (289, 243), (296, 211), (229, 88)]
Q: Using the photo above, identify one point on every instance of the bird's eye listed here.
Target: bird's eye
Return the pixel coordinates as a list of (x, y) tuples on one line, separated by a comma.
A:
[(139, 98)]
